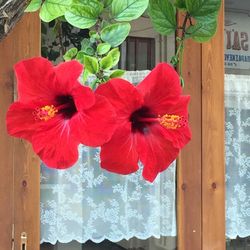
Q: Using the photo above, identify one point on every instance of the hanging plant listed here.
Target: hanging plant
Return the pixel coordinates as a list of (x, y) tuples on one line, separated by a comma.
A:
[(147, 123)]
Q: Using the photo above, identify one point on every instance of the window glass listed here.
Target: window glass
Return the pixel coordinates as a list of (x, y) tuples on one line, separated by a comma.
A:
[(237, 105), (131, 55)]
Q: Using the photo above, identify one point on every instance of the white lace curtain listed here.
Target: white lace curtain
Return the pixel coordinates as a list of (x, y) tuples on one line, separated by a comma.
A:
[(88, 203), (237, 103)]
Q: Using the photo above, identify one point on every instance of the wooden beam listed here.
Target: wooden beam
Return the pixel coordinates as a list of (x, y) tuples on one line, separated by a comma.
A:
[(6, 150), (19, 167), (213, 165), (189, 164), (201, 175)]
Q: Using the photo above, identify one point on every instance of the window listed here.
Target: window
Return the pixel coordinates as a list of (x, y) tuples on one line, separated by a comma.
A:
[(237, 103), (138, 53), (86, 207)]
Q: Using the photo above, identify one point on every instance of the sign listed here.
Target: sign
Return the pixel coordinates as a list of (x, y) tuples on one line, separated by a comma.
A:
[(237, 34)]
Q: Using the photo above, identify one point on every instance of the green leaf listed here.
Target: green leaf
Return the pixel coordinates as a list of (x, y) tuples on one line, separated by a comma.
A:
[(117, 73), (105, 79), (92, 40), (70, 54), (85, 43), (107, 3), (163, 16), (205, 14), (91, 64), (86, 47), (106, 62), (204, 29), (51, 9), (104, 24), (94, 84), (103, 48), (202, 7), (128, 10), (115, 54), (191, 30), (115, 34), (34, 6), (91, 3), (85, 75), (180, 4), (80, 57), (174, 60), (83, 16), (90, 51), (94, 34)]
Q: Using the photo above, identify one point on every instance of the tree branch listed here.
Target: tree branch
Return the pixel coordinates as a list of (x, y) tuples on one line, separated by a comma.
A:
[(11, 12)]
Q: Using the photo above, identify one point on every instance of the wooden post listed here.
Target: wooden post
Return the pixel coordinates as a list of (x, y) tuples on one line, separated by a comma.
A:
[(201, 174), (213, 155), (19, 179), (190, 163)]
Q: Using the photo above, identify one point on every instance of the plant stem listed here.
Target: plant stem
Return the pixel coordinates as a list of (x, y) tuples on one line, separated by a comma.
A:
[(178, 57), (60, 36)]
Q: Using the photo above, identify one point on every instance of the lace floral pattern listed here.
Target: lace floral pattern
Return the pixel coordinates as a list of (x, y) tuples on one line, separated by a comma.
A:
[(86, 202), (237, 102)]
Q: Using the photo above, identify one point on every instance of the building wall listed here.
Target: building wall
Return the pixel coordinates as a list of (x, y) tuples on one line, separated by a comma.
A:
[(165, 46)]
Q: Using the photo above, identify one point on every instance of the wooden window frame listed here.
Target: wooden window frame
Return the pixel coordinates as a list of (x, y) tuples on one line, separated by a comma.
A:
[(20, 179), (201, 171), (151, 47)]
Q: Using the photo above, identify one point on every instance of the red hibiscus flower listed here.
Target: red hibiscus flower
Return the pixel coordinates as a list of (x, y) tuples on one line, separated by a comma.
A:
[(152, 120), (56, 113)]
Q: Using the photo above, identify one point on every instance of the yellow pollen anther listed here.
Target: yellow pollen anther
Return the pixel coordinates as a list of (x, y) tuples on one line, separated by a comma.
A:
[(45, 113), (173, 121)]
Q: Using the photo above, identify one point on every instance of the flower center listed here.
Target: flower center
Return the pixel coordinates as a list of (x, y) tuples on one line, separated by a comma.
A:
[(66, 106), (45, 113), (142, 118)]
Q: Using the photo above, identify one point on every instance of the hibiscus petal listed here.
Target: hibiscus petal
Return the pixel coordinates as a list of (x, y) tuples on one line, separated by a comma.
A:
[(96, 125), (119, 155), (180, 107), (179, 136), (83, 97), (36, 80), (122, 95), (55, 144), (155, 152), (20, 120), (67, 74), (161, 88)]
